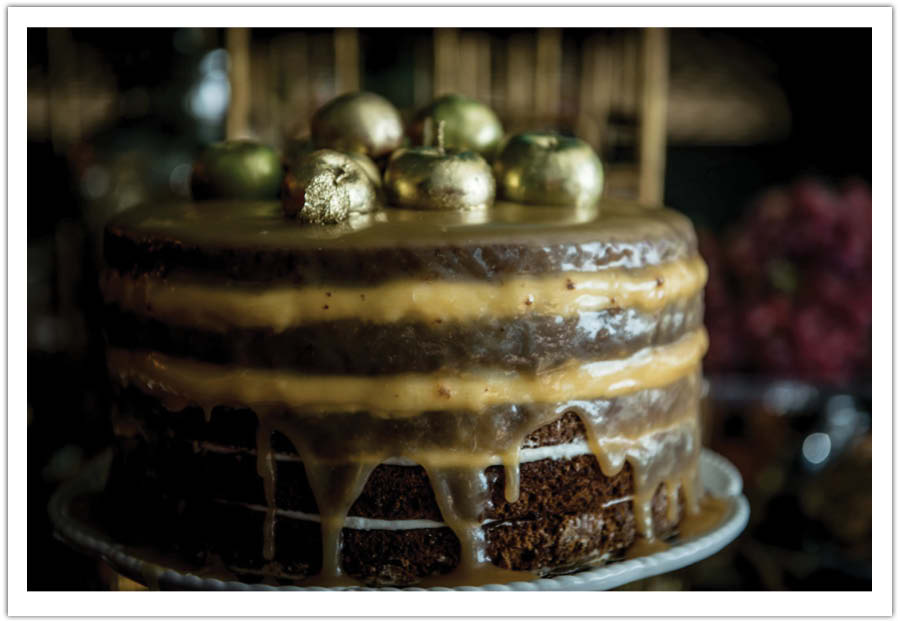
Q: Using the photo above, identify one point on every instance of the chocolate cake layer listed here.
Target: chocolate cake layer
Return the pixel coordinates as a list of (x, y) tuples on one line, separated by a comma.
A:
[(543, 542), (392, 492), (350, 434), (528, 343), (405, 557), (253, 242)]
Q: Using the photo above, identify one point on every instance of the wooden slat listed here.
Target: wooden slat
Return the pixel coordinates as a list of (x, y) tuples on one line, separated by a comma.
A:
[(547, 74), (423, 71), (298, 96), (321, 63), (346, 60), (467, 79), (260, 96), (473, 72), (64, 110), (654, 92), (593, 98), (446, 61), (483, 84), (237, 42), (519, 80)]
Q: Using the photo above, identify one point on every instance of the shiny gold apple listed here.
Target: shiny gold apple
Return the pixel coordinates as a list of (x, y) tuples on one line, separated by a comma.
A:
[(236, 169), (545, 168), (469, 125), (434, 178), (327, 187), (359, 122), (296, 148)]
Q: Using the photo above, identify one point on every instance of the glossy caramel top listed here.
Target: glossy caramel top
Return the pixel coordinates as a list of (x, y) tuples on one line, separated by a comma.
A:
[(247, 240)]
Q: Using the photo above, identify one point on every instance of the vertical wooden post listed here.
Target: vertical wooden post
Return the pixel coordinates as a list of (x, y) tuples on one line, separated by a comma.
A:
[(298, 91), (467, 79), (63, 100), (346, 60), (473, 70), (237, 42), (423, 71), (446, 60), (483, 84), (654, 96), (585, 123), (520, 80), (547, 75)]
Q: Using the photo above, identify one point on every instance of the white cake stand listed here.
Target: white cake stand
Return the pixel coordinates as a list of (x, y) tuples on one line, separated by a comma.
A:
[(719, 477)]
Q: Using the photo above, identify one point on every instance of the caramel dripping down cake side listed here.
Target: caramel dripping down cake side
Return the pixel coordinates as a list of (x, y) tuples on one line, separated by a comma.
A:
[(489, 396)]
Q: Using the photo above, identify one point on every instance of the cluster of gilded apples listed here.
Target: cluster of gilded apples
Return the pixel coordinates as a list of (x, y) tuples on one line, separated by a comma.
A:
[(453, 156)]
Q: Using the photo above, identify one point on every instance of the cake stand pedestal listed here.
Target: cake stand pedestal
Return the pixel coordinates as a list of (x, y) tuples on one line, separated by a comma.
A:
[(718, 476)]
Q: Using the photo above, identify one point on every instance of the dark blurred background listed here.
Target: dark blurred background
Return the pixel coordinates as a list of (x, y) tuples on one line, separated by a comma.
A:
[(761, 136)]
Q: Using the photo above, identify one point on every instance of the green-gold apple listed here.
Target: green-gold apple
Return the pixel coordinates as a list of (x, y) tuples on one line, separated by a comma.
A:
[(546, 168), (468, 124), (358, 122), (297, 148), (236, 169), (327, 187), (438, 179)]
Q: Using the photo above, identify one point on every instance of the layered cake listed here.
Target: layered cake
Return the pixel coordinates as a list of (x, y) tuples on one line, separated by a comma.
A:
[(405, 396)]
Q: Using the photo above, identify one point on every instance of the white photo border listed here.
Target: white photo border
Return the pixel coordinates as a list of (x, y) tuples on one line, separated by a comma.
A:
[(876, 602)]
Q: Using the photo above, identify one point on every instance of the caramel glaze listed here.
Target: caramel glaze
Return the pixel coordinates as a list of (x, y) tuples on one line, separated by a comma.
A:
[(254, 242), (408, 394), (455, 448), (222, 306), (453, 425), (534, 343)]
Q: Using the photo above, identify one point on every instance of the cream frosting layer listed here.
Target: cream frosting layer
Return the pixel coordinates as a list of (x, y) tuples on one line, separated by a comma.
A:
[(209, 385), (223, 306), (568, 450), (354, 522)]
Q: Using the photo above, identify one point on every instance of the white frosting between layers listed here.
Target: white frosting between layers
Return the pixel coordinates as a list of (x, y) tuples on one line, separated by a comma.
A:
[(361, 523), (557, 451)]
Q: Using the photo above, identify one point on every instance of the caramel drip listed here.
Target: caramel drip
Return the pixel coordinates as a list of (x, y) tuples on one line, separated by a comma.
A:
[(671, 490), (335, 489), (224, 306), (265, 467), (657, 458), (511, 474), (653, 429), (462, 496)]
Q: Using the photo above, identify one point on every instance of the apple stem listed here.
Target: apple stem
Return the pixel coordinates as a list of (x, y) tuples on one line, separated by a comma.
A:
[(440, 137)]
